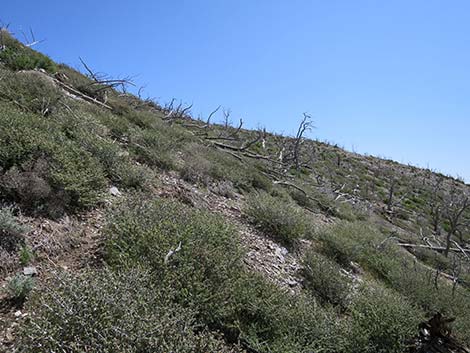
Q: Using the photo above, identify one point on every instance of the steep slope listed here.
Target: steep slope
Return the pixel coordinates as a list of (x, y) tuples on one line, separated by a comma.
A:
[(143, 229)]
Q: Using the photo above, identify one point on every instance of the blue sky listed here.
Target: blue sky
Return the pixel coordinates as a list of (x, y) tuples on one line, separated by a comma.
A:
[(387, 78)]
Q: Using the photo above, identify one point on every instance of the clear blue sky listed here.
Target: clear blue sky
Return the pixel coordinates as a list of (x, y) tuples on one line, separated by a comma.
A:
[(388, 78)]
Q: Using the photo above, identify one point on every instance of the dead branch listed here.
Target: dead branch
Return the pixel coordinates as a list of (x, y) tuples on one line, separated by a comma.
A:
[(81, 95), (29, 42), (305, 125), (211, 114), (171, 253), (286, 183), (178, 113), (436, 248), (89, 70)]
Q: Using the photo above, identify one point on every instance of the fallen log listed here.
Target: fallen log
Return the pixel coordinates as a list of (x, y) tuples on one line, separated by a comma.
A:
[(436, 248)]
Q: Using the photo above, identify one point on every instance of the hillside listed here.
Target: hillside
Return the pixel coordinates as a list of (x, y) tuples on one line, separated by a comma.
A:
[(127, 225)]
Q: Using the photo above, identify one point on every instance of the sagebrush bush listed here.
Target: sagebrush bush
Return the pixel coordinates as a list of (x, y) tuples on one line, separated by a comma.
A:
[(31, 91), (42, 168), (11, 231), (109, 311), (364, 244), (18, 289), (381, 322), (117, 165), (301, 199), (156, 147), (25, 255), (143, 233), (325, 279), (207, 275), (271, 320), (205, 165), (16, 56), (345, 242), (282, 220)]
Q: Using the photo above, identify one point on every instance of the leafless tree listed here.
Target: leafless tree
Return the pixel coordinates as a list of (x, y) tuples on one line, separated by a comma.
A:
[(435, 206), (391, 192), (101, 83), (305, 125), (455, 205)]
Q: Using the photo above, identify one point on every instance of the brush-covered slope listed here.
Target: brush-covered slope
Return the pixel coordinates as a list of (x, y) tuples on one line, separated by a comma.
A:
[(126, 225)]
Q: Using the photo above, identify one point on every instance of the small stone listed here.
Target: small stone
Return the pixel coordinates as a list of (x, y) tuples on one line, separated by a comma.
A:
[(30, 271), (114, 191), (279, 255), (292, 283), (8, 337)]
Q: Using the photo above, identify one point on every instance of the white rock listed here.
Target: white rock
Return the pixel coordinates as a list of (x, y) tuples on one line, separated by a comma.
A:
[(30, 271), (114, 191)]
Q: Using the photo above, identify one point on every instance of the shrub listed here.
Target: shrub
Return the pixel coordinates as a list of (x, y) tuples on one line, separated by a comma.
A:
[(144, 232), (16, 56), (31, 91), (271, 320), (117, 166), (197, 169), (381, 321), (8, 262), (18, 289), (25, 255), (206, 165), (206, 275), (301, 199), (364, 244), (345, 242), (282, 220), (45, 170), (155, 147), (109, 312), (11, 232), (324, 278)]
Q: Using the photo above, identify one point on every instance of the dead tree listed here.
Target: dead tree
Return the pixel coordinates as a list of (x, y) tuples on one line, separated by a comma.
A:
[(391, 192), (305, 125), (180, 112), (101, 83), (30, 40), (454, 207), (435, 206)]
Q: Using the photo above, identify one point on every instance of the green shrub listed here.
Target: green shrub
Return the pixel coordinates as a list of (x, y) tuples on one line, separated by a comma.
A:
[(205, 165), (433, 258), (301, 199), (11, 232), (109, 312), (325, 279), (362, 243), (345, 242), (25, 255), (155, 147), (43, 168), (381, 322), (143, 233), (116, 164), (206, 275), (16, 56), (271, 320), (18, 289), (282, 220), (31, 91)]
